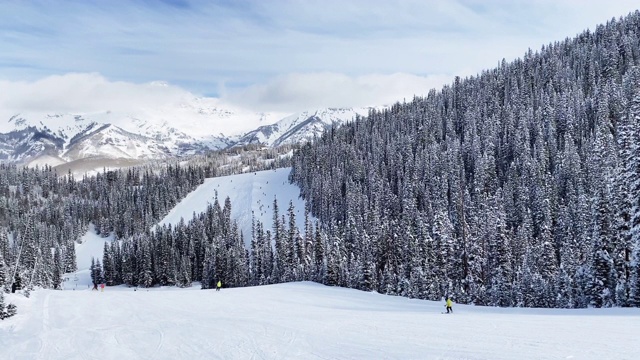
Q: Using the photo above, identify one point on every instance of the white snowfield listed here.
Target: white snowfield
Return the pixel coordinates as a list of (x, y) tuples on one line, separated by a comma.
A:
[(301, 321), (248, 192)]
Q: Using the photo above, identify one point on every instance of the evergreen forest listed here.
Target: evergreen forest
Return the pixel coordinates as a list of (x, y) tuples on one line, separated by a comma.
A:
[(516, 187)]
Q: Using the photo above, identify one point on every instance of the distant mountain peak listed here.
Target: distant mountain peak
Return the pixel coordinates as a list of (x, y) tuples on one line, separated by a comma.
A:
[(192, 126)]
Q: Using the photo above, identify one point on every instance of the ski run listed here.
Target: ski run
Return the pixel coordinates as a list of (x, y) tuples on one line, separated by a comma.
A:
[(301, 321)]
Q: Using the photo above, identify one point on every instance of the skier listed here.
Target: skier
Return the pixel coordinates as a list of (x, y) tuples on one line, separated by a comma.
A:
[(219, 285), (449, 304)]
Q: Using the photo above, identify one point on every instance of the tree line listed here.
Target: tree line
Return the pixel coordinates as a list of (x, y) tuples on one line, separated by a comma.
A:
[(516, 187)]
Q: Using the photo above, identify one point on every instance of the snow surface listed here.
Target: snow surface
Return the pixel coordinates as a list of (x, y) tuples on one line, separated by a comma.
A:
[(92, 246), (250, 192), (300, 321)]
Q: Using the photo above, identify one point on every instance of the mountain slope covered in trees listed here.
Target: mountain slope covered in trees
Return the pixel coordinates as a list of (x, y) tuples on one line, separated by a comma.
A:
[(516, 187), (42, 214)]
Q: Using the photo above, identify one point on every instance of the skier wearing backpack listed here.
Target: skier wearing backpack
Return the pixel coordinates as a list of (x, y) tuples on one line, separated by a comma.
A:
[(449, 305)]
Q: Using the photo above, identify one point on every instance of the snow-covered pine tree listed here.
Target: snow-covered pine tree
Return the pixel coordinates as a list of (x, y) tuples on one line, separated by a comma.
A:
[(70, 264), (308, 253), (93, 271), (6, 310), (319, 248), (108, 265), (603, 282), (58, 268), (633, 174), (279, 242), (184, 275), (4, 273), (295, 249)]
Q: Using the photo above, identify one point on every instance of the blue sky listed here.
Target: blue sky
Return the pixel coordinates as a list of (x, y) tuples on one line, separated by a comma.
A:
[(265, 53)]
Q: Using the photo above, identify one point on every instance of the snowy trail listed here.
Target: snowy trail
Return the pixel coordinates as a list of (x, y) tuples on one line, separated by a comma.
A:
[(249, 193), (302, 321)]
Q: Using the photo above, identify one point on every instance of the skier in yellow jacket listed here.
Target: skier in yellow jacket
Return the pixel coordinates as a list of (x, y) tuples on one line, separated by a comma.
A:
[(449, 305), (219, 285)]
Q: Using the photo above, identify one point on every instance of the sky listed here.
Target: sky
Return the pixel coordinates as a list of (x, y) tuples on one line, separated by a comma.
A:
[(276, 55)]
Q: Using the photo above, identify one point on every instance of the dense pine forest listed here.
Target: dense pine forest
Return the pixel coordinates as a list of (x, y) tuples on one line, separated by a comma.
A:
[(517, 187), (42, 215)]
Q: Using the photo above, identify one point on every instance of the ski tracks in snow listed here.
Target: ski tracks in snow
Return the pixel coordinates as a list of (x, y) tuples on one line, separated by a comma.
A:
[(47, 346), (300, 321)]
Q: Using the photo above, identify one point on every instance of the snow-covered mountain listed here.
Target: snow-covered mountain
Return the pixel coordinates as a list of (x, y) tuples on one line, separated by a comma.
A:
[(191, 126), (301, 126)]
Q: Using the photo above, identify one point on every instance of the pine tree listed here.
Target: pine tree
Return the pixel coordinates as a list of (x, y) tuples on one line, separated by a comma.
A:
[(635, 277), (93, 271), (184, 276), (319, 251), (4, 276), (6, 311), (70, 262), (634, 176), (603, 283), (108, 265), (56, 280), (99, 276)]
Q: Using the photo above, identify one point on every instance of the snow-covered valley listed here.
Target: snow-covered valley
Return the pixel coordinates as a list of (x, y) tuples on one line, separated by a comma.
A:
[(301, 320)]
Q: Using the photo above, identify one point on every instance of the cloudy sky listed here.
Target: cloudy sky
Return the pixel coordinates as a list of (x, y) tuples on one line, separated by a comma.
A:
[(270, 55)]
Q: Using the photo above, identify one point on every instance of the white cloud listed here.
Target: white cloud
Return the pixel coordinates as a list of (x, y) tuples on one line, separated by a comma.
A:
[(271, 55), (295, 92), (89, 93), (83, 93), (201, 44)]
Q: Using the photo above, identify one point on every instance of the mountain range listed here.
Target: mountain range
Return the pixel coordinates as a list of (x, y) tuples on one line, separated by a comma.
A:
[(86, 141)]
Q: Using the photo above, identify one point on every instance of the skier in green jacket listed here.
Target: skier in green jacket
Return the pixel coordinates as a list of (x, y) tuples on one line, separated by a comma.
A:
[(219, 285), (449, 305)]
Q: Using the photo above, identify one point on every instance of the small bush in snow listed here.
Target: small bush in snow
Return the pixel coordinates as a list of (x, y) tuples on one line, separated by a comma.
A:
[(6, 311)]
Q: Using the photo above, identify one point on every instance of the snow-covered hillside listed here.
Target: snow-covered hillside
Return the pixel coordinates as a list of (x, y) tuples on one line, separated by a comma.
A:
[(300, 321), (189, 116), (289, 321), (302, 126), (249, 193), (184, 127)]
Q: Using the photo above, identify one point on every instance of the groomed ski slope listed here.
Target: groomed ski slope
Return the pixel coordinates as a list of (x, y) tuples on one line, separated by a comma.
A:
[(301, 321), (92, 246), (248, 192)]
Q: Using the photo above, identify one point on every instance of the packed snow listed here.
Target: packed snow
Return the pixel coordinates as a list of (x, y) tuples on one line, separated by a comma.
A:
[(250, 192), (300, 321)]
